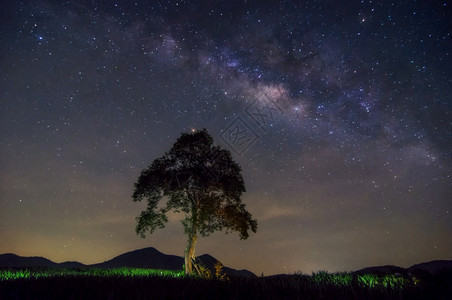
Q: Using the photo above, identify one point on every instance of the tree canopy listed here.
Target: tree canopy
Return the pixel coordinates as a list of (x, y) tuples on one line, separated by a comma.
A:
[(200, 180)]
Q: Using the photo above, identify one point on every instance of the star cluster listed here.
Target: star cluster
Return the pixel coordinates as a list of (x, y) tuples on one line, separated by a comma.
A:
[(344, 107)]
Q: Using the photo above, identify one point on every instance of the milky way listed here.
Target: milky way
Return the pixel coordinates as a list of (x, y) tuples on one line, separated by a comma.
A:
[(339, 113)]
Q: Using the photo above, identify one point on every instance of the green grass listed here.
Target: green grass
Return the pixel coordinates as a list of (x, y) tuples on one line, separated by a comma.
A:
[(13, 274), (136, 283), (366, 280), (336, 279)]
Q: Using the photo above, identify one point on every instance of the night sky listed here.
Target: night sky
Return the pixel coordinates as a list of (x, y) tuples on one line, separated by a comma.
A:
[(339, 113)]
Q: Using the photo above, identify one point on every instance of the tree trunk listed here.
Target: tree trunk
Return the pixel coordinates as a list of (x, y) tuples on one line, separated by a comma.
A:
[(190, 253), (190, 250)]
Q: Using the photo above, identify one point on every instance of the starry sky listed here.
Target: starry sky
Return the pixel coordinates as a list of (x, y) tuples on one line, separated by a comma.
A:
[(339, 113)]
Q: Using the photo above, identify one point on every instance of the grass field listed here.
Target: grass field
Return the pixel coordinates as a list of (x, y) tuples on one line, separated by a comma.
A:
[(13, 274), (122, 283)]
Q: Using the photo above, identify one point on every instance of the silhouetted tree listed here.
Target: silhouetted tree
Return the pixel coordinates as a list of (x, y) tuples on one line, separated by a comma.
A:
[(200, 180)]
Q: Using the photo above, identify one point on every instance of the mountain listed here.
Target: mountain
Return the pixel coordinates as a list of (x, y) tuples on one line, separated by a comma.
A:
[(152, 258), (388, 269), (142, 258), (13, 260), (209, 262), (433, 267), (71, 264)]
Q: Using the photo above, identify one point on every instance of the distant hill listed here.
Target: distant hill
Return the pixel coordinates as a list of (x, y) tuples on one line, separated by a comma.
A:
[(433, 267), (142, 258), (13, 260), (388, 269), (210, 261), (152, 258), (71, 264)]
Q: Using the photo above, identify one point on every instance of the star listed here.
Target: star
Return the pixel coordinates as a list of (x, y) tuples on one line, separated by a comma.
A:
[(338, 114)]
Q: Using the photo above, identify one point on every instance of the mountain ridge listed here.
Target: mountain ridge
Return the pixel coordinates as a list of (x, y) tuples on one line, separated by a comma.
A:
[(150, 257)]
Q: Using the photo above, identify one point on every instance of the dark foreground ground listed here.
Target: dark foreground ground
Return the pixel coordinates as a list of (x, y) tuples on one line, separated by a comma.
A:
[(282, 287)]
